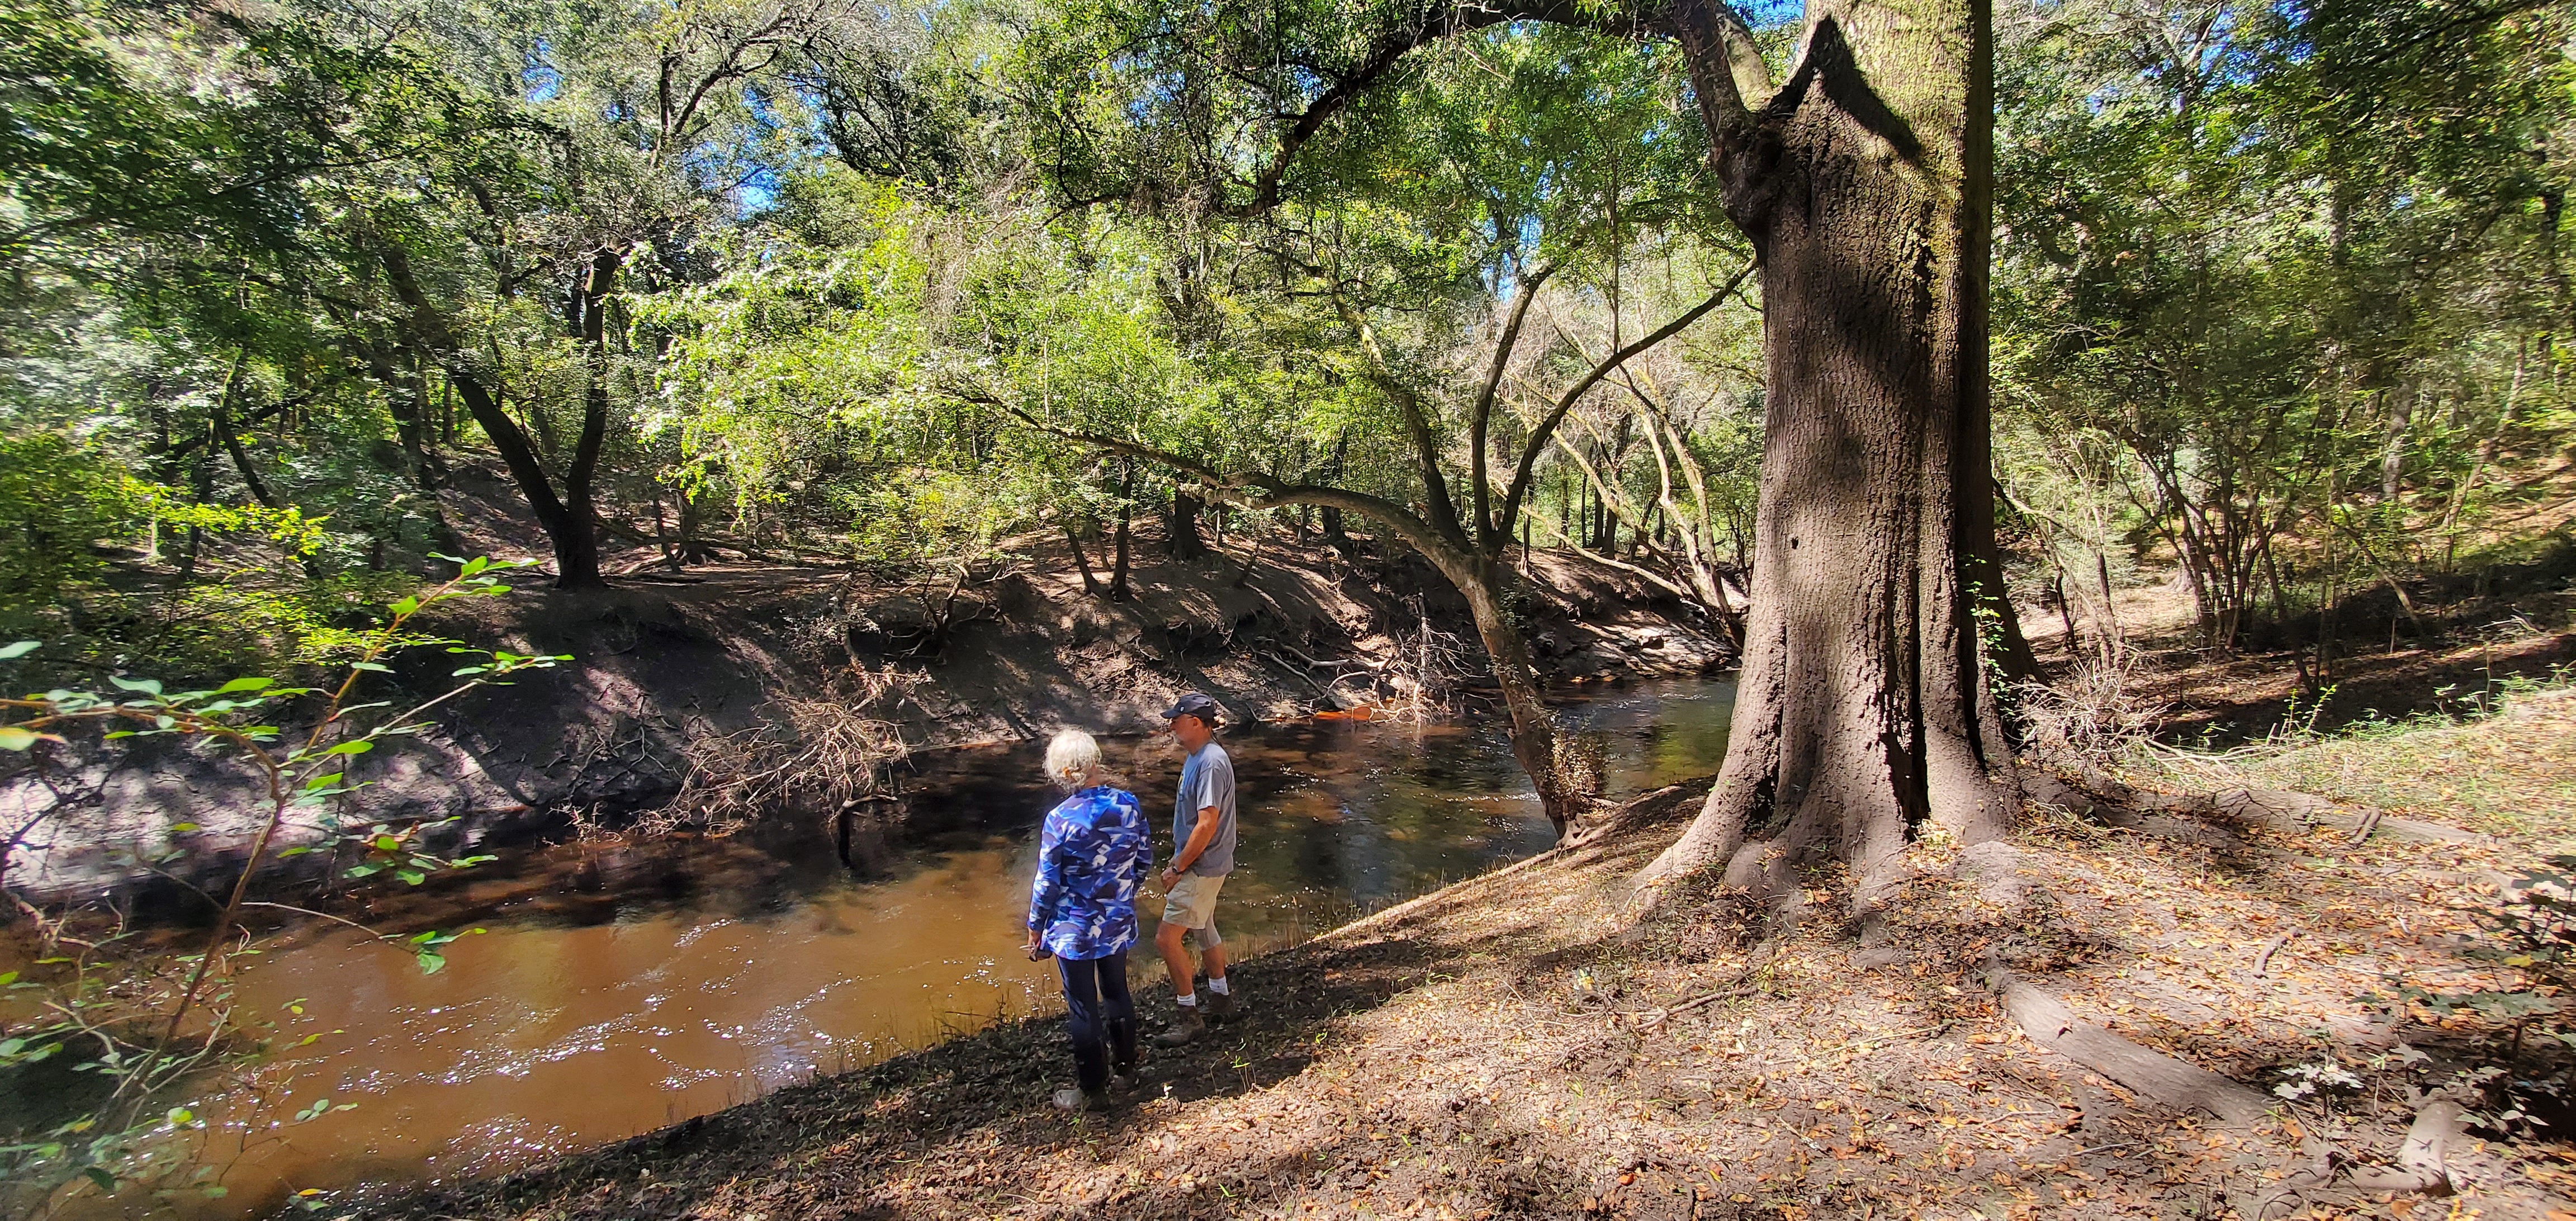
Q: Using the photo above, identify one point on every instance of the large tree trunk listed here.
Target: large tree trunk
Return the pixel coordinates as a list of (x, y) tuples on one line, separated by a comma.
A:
[(1864, 716)]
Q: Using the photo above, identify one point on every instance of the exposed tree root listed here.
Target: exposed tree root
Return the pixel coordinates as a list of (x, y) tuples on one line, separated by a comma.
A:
[(2423, 1165), (1671, 802), (2157, 1077), (2095, 794)]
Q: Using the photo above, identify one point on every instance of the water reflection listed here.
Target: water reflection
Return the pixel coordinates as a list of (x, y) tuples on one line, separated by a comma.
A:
[(614, 993)]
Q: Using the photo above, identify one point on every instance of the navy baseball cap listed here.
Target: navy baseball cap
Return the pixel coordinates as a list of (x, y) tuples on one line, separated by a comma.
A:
[(1194, 704)]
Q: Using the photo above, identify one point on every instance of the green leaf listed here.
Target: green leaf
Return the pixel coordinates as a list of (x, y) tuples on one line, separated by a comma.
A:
[(14, 651), (411, 876), (431, 963), (13, 737), (386, 843), (217, 1192), (354, 746), (105, 1181), (472, 567), (405, 606), (246, 684), (183, 826), (370, 667), (148, 686)]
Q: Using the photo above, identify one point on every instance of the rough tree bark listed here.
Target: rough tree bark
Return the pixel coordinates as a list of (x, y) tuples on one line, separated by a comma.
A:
[(1864, 715)]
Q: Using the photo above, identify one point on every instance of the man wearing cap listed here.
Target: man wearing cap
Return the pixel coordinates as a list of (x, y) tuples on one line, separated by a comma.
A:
[(1203, 830)]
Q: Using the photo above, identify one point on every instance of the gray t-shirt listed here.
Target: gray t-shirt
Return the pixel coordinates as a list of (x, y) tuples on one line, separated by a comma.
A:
[(1207, 780)]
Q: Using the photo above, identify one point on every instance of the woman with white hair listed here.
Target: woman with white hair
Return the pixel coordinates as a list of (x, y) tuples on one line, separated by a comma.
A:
[(1082, 910)]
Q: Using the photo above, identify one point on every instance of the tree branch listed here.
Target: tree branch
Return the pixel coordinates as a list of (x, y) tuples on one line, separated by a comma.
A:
[(1726, 68), (1253, 490), (1426, 444), (1432, 23), (1480, 417), (1536, 444)]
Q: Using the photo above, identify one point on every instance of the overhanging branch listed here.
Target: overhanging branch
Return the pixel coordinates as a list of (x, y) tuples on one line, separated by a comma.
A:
[(1547, 425), (1254, 490)]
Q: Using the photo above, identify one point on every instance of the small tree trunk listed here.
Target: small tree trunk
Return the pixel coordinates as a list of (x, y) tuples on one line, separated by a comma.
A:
[(220, 422), (1482, 581), (1334, 535), (1184, 542), (2065, 612), (576, 533), (2486, 457), (572, 533), (2392, 458), (662, 535), (1081, 563), (1126, 514)]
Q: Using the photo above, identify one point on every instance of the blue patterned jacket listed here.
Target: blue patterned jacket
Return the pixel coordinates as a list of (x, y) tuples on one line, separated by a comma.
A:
[(1091, 856)]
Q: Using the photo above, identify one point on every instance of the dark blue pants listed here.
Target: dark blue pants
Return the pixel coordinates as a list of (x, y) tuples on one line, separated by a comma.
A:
[(1100, 1016)]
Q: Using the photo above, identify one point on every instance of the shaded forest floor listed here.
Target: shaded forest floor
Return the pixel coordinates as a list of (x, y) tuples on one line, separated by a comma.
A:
[(1519, 1046)]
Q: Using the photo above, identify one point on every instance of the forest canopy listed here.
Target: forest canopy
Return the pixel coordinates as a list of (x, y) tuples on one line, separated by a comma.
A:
[(2279, 292)]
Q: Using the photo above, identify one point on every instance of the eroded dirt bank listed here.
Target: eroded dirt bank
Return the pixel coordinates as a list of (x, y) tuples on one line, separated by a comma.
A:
[(1008, 649), (1514, 1046)]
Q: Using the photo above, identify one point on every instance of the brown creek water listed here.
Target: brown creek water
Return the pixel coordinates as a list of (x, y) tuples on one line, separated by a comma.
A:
[(614, 992)]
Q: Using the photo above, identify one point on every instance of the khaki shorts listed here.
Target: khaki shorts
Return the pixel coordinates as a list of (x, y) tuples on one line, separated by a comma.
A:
[(1192, 902)]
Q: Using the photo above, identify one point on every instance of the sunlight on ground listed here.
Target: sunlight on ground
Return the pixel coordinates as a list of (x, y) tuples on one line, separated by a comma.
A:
[(2512, 775)]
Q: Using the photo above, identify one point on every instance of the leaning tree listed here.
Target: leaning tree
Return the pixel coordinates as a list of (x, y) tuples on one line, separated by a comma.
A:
[(1861, 175)]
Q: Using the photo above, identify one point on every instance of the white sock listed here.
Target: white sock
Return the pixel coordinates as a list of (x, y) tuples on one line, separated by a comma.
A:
[(1188, 1002), (1216, 984)]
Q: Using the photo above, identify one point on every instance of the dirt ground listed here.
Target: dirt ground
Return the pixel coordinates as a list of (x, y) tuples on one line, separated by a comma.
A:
[(1521, 1045)]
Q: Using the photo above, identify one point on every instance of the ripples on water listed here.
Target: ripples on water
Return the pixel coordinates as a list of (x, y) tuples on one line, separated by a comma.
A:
[(616, 993)]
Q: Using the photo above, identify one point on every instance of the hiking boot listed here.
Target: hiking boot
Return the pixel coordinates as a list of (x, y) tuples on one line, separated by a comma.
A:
[(1075, 1098), (1219, 1005), (1129, 1080), (1186, 1028)]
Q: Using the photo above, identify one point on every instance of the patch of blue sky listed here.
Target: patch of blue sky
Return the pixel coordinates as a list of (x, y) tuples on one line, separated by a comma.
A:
[(540, 79), (757, 193), (1763, 14)]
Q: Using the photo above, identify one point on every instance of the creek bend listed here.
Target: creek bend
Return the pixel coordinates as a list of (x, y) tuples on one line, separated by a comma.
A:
[(617, 993)]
